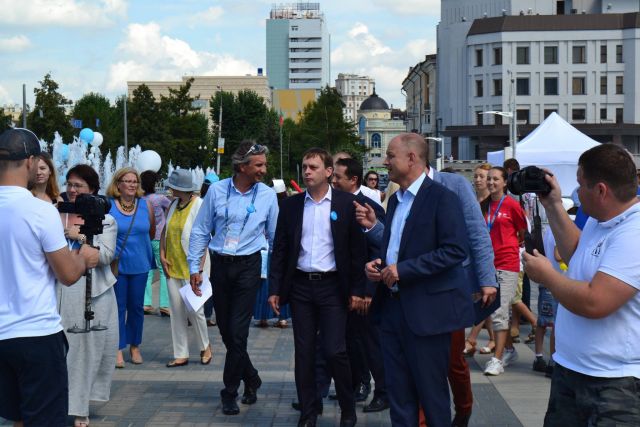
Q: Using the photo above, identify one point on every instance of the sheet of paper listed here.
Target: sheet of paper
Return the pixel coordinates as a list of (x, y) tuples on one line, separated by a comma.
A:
[(191, 300)]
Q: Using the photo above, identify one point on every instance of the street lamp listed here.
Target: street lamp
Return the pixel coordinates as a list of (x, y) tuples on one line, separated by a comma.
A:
[(513, 137), (440, 160), (220, 139)]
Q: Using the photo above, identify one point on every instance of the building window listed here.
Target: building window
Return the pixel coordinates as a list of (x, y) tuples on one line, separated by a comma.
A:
[(560, 7), (522, 86), (478, 57), (578, 86), (497, 119), (551, 54), (479, 117), (579, 54), (619, 113), (619, 84), (522, 55), (294, 28), (497, 56), (548, 112), (619, 54), (550, 85), (578, 114), (603, 85), (603, 54), (376, 141), (497, 87), (603, 114), (522, 115), (479, 88)]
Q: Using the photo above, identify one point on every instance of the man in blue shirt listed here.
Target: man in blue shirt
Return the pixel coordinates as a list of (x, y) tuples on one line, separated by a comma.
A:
[(241, 212)]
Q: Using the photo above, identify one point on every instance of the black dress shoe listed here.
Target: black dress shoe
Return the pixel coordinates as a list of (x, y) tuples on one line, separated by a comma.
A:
[(309, 422), (296, 405), (377, 404), (349, 420), (333, 396), (362, 392), (461, 420), (230, 407), (250, 396)]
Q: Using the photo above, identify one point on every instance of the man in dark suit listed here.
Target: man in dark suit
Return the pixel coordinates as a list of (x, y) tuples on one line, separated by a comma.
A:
[(316, 266), (363, 342), (424, 292)]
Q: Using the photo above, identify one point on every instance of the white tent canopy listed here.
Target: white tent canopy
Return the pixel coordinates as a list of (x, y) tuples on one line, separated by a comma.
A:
[(555, 145)]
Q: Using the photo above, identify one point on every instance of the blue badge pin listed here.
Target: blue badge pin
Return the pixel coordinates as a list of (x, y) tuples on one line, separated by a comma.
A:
[(251, 209), (333, 216)]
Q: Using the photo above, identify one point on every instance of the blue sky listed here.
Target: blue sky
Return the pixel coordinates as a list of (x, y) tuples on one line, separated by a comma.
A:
[(97, 45)]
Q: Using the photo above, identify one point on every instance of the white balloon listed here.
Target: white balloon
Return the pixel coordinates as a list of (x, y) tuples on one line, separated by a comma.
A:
[(91, 156), (149, 161), (97, 139)]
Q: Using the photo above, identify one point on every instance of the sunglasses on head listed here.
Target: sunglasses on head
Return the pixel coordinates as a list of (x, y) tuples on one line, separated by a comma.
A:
[(255, 149)]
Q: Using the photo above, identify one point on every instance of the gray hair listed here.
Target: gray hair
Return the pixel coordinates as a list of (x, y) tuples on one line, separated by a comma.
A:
[(245, 150)]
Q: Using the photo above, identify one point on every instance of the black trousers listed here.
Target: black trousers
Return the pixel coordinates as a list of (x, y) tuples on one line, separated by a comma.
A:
[(357, 331), (320, 306), (235, 282), (374, 357)]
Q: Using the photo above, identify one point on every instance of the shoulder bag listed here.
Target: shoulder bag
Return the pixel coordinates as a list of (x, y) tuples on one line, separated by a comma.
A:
[(116, 260)]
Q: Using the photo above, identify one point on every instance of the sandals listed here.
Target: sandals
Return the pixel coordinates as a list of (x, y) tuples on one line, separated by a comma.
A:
[(282, 324), (119, 364), (531, 337), (489, 348), (137, 359), (81, 422), (164, 312), (469, 348), (148, 309), (205, 360), (175, 364)]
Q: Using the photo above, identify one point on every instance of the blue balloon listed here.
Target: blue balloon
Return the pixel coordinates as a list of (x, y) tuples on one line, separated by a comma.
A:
[(64, 152), (86, 135)]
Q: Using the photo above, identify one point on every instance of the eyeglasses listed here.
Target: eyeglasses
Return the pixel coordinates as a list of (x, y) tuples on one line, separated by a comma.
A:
[(75, 185), (128, 182), (255, 149), (372, 179)]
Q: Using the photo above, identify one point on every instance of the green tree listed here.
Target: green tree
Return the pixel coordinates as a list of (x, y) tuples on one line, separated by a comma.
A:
[(5, 121), (48, 114), (96, 112), (179, 103), (147, 124)]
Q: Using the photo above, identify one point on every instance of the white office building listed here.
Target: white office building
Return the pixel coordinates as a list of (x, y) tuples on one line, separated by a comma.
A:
[(298, 47), (577, 58), (354, 90)]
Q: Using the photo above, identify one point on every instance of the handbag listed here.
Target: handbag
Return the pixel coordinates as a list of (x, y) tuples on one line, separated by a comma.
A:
[(116, 260)]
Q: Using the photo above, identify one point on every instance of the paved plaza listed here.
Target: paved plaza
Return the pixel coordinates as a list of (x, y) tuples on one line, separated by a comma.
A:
[(153, 395)]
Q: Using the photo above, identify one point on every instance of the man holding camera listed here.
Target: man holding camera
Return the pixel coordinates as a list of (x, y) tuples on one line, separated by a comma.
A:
[(33, 370), (597, 373)]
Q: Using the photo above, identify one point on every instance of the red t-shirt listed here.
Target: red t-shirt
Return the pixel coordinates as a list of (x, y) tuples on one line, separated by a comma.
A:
[(504, 233)]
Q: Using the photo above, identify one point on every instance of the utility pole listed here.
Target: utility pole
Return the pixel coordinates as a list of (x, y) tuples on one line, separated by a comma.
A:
[(126, 141), (281, 122), (220, 140), (24, 106)]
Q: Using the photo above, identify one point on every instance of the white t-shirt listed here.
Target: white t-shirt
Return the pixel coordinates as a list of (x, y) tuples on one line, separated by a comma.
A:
[(608, 347), (371, 193), (29, 227)]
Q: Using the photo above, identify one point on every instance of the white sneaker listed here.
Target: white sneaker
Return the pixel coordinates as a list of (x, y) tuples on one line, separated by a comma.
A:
[(509, 357), (494, 367)]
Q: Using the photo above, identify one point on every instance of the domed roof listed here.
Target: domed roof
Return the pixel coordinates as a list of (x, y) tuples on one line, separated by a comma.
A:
[(374, 102)]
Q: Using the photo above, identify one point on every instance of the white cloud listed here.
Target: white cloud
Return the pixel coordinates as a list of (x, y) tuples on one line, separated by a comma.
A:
[(14, 44), (206, 17), (363, 53), (410, 7), (65, 13), (147, 54)]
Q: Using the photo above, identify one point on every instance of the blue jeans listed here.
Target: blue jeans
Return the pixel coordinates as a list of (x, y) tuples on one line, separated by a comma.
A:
[(130, 296)]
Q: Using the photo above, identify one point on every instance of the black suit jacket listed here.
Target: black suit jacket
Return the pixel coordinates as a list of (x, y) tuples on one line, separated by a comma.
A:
[(434, 283), (349, 246)]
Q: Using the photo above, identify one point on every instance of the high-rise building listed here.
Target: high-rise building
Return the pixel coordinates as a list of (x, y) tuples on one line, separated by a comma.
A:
[(530, 58), (354, 89), (298, 47)]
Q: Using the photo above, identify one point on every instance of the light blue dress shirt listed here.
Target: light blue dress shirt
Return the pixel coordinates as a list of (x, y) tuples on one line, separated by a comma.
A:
[(405, 201), (316, 243), (256, 235)]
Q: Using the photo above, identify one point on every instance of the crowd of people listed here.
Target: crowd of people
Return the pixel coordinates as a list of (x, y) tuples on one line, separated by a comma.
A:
[(377, 285)]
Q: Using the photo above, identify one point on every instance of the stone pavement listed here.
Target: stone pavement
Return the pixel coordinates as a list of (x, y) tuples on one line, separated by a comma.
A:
[(153, 395)]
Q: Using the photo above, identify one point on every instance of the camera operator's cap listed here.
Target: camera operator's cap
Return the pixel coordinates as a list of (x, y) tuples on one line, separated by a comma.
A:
[(211, 177), (278, 186), (18, 144), (181, 180)]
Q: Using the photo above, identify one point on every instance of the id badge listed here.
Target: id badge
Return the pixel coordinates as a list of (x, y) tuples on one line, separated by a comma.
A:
[(231, 241)]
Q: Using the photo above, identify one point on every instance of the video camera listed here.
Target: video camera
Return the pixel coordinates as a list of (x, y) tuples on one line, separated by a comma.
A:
[(92, 209), (531, 179)]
